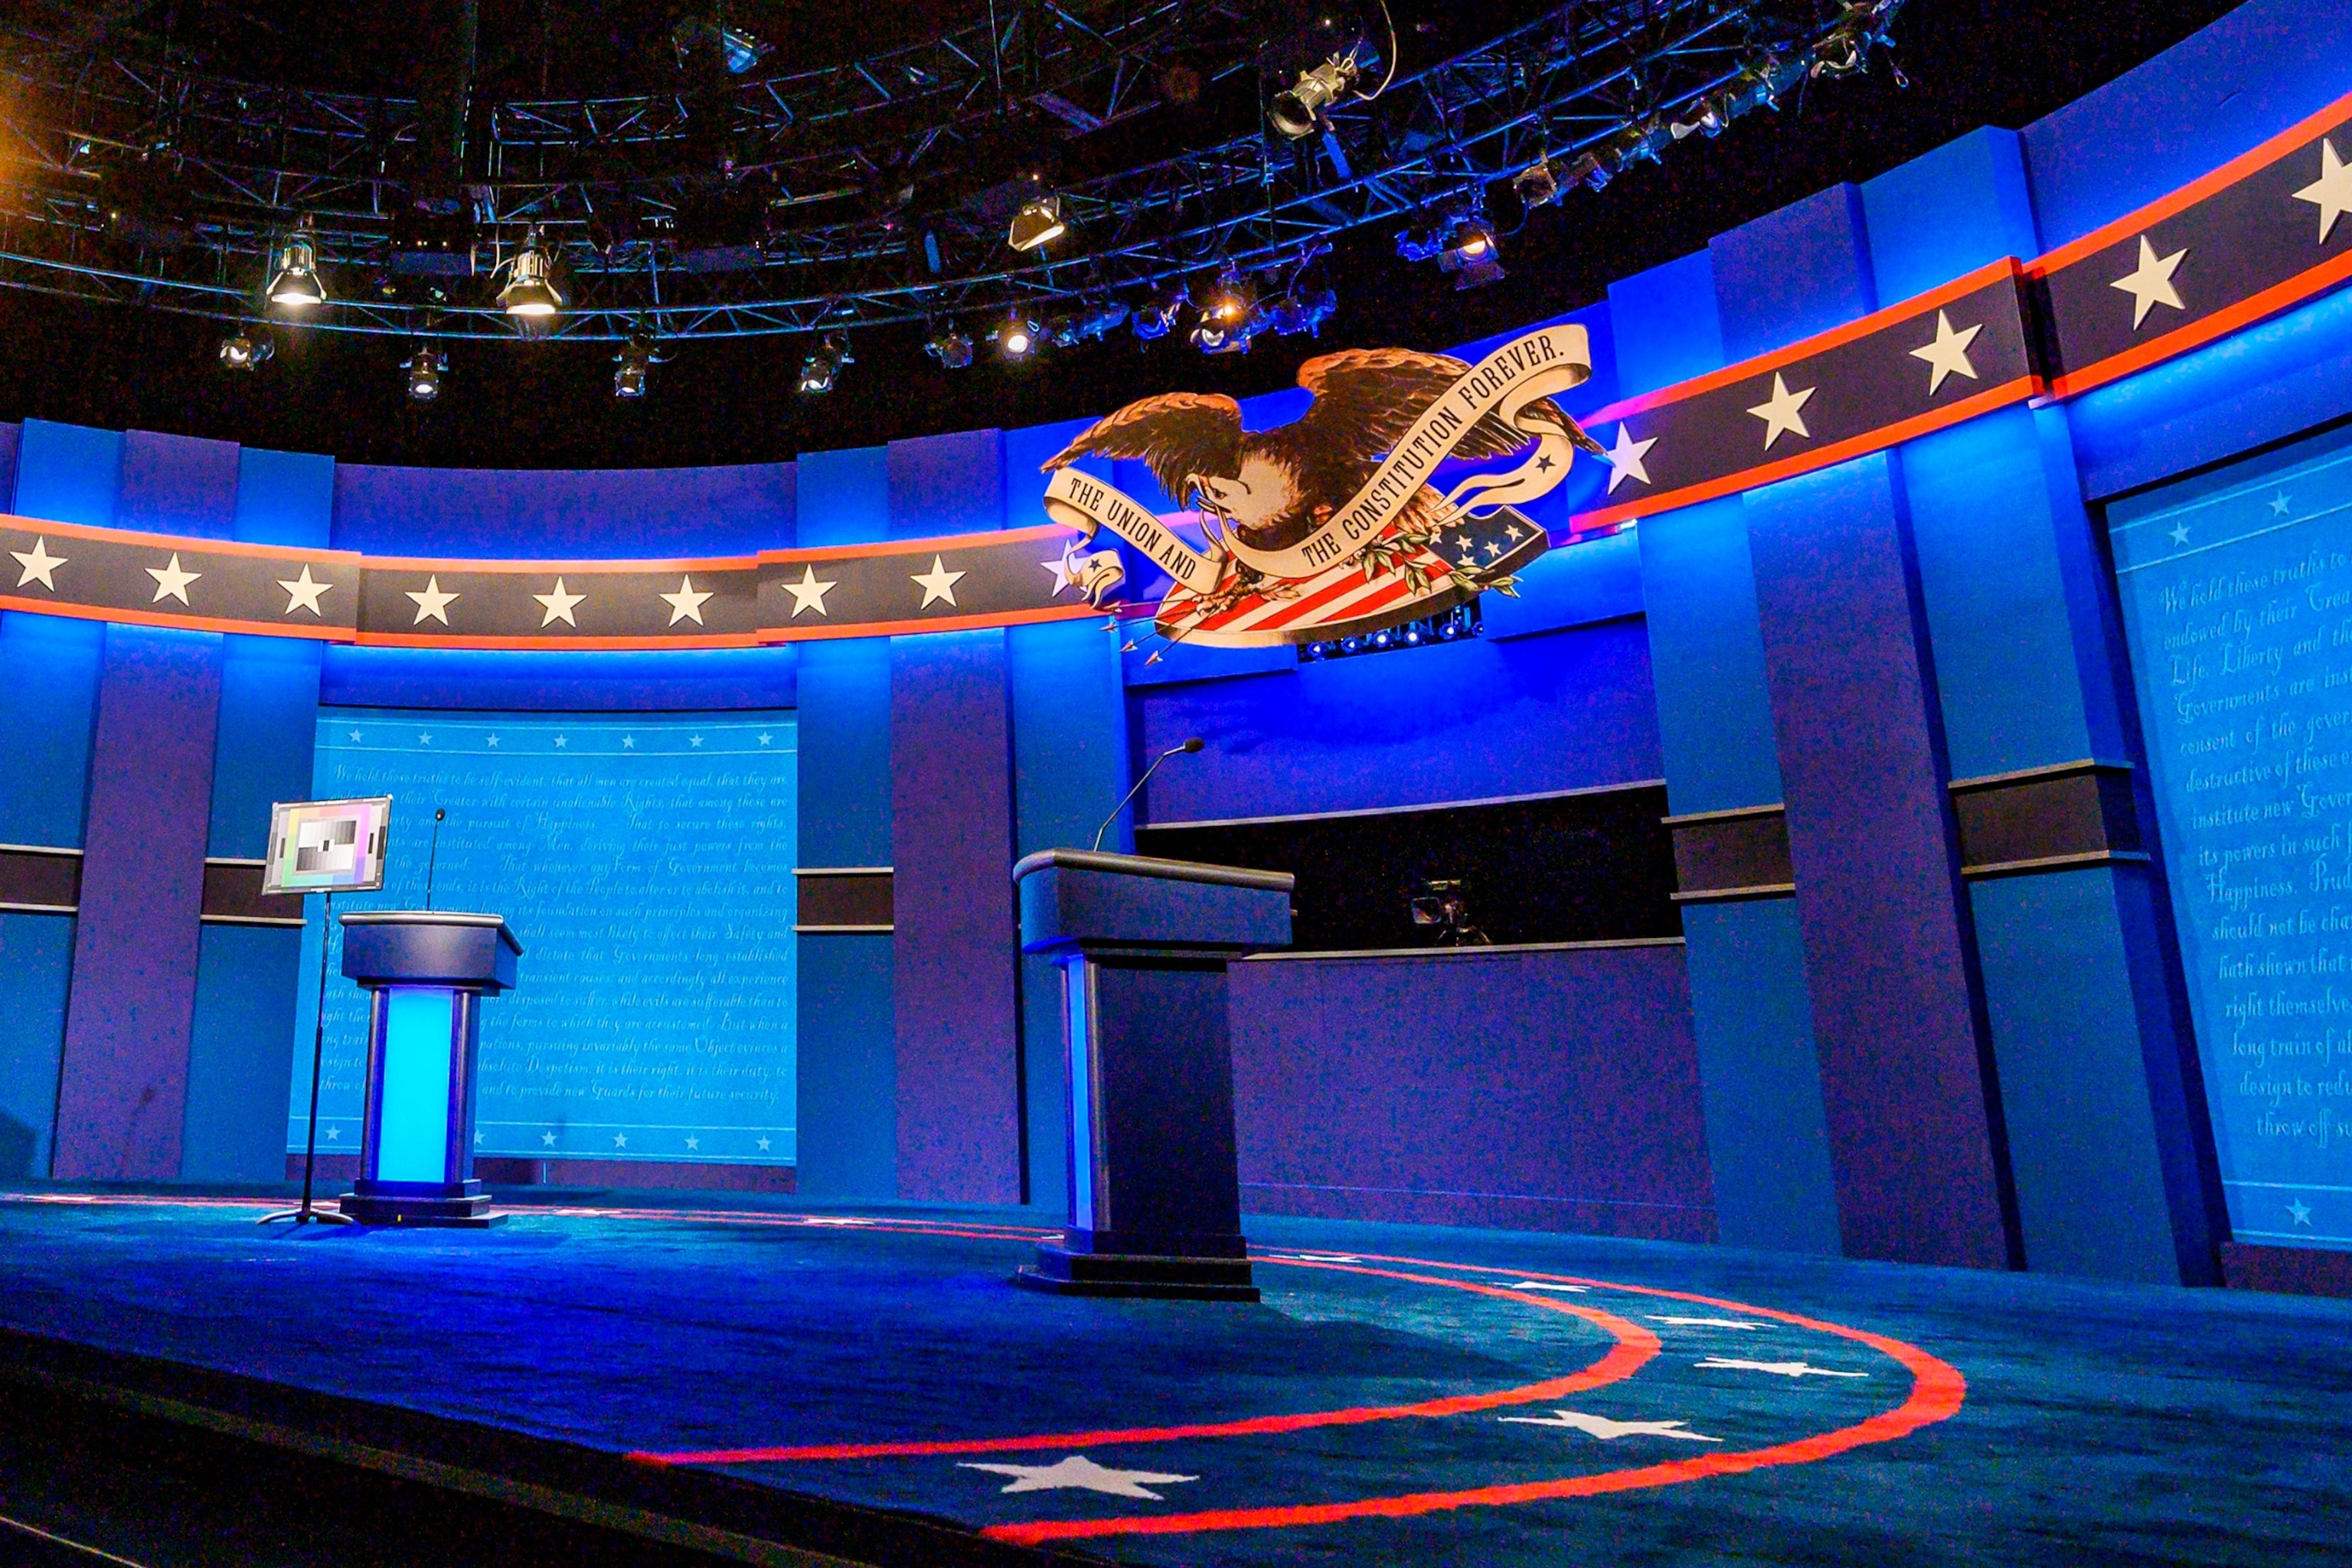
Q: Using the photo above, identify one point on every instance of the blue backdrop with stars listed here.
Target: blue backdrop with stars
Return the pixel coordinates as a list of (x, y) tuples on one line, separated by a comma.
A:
[(646, 862), (2237, 596)]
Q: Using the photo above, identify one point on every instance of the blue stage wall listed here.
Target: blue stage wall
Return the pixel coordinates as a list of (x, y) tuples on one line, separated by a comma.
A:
[(1896, 1054)]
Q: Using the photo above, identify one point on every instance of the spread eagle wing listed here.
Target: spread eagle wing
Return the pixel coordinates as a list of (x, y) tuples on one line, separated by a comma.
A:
[(1179, 436), (1367, 399)]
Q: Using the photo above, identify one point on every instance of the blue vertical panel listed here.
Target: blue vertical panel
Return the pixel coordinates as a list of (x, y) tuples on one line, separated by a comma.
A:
[(1069, 768), (1915, 1137), (49, 706), (954, 978), (2010, 583), (244, 1040), (12, 439), (946, 484), (1949, 212), (848, 1058), (35, 956), (1760, 1083), (413, 1112), (1798, 271)]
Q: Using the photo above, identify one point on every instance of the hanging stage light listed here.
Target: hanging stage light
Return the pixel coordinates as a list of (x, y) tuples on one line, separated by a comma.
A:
[(246, 349), (1016, 337), (951, 348), (1037, 222), (634, 364), (1156, 317), (824, 364), (531, 291), (1536, 185), (1474, 255), (1227, 303), (425, 369), (1423, 239), (294, 282), (1298, 111)]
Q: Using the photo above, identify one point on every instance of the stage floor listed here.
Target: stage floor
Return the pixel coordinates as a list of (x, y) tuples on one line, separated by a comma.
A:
[(1403, 1394)]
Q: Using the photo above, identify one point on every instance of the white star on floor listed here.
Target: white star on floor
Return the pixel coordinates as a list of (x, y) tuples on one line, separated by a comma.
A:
[(620, 1140), (548, 1139), (1777, 1368), (1609, 1431), (1781, 415), (1547, 1285), (808, 593), (560, 605), (2179, 535), (1704, 1323), (686, 604), (692, 1143), (302, 594), (432, 605), (938, 584), (1948, 354), (171, 583), (2150, 283), (1624, 459), (1060, 567), (2300, 1212), (2279, 504), (37, 563), (2332, 192), (1077, 1471)]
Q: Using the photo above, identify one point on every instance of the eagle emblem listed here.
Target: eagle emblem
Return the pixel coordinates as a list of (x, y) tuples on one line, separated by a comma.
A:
[(1359, 458)]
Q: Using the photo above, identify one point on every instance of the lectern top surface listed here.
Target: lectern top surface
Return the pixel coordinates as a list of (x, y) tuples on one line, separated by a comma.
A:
[(431, 918), (1151, 866)]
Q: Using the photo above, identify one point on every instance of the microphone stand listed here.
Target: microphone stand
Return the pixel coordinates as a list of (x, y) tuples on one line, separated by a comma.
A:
[(1192, 745), (306, 1213)]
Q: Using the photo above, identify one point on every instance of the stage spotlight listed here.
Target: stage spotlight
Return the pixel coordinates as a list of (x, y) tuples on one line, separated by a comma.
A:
[(1309, 301), (246, 349), (1591, 172), (1298, 111), (824, 364), (635, 365), (1473, 255), (951, 348), (1227, 303), (1423, 239), (294, 282), (1016, 336), (425, 369), (1037, 222), (1156, 317), (711, 37), (1536, 185), (531, 291), (1708, 117)]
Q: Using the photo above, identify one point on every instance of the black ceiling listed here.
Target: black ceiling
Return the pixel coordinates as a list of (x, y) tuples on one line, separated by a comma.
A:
[(550, 403)]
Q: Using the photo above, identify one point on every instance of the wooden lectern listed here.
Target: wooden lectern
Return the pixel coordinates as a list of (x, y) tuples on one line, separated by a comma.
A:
[(426, 973), (1154, 1189)]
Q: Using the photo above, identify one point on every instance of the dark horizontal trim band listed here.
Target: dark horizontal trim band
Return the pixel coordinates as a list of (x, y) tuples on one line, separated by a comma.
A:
[(1738, 895), (2049, 770), (1728, 814), (2054, 863), (1401, 810), (843, 930), (1490, 950)]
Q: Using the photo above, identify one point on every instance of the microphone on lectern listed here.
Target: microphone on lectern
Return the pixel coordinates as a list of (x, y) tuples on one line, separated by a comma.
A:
[(433, 854), (1188, 745)]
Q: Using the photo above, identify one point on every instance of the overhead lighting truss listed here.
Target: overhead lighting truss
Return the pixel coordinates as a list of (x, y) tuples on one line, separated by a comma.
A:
[(1579, 79)]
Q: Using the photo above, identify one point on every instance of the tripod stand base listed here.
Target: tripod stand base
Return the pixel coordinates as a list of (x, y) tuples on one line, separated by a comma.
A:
[(308, 1216)]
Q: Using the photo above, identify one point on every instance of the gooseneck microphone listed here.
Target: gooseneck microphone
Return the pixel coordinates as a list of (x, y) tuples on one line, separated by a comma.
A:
[(1189, 745), (433, 854)]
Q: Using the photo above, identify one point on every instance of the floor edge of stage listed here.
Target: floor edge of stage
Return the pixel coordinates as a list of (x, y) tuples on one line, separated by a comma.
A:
[(700, 1509)]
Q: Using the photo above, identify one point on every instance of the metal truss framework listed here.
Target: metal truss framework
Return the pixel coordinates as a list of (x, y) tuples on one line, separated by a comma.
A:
[(244, 160)]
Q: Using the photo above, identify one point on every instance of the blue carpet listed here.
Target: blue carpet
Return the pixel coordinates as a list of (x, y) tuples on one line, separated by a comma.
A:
[(1403, 1394)]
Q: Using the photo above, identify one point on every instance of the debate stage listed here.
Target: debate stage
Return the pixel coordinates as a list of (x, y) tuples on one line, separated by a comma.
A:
[(789, 1384)]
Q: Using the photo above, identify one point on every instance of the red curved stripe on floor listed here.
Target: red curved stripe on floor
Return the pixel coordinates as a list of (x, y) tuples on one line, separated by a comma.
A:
[(1937, 1390), (1634, 1347)]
